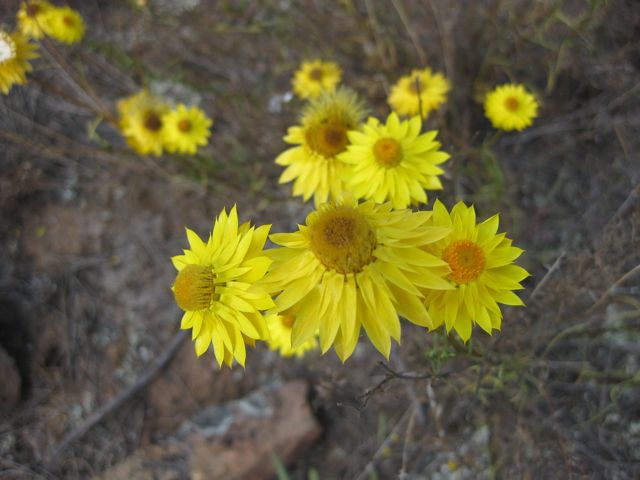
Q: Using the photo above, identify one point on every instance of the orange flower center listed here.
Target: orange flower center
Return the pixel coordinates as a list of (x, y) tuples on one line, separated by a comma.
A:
[(511, 104), (194, 288), (153, 122), (342, 239), (184, 125), (388, 152), (316, 74), (69, 21), (287, 320), (327, 139), (466, 260)]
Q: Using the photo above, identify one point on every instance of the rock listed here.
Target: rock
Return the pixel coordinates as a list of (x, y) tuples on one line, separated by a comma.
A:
[(237, 440), (10, 385), (232, 441)]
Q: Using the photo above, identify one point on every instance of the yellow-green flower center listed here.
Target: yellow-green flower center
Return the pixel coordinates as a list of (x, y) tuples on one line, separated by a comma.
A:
[(388, 152), (7, 47), (511, 104), (342, 239), (466, 260), (316, 74), (184, 125), (152, 122), (327, 139), (194, 288)]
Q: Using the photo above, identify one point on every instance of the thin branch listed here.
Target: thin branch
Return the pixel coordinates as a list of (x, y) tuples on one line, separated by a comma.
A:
[(412, 34), (547, 276), (407, 437), (614, 286), (152, 371)]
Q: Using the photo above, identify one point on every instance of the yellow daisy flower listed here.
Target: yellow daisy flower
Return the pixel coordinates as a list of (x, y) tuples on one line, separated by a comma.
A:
[(510, 107), (313, 162), (482, 272), (31, 17), (185, 129), (419, 93), (356, 265), (215, 287), (315, 77), (15, 53), (280, 328), (64, 24), (393, 161), (141, 122)]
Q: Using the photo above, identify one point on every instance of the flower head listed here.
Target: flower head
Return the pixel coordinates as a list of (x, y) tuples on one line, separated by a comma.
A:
[(393, 161), (141, 122), (31, 17), (15, 53), (215, 287), (419, 93), (280, 328), (64, 24), (315, 77), (356, 265), (185, 129), (482, 271), (510, 107), (320, 138)]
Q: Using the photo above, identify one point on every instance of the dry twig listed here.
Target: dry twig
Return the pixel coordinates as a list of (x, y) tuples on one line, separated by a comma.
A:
[(152, 371)]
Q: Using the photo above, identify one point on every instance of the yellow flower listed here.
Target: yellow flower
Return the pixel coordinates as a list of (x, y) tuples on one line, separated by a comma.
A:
[(510, 107), (393, 162), (15, 53), (185, 129), (315, 77), (482, 272), (355, 265), (313, 162), (419, 93), (141, 122), (64, 24), (280, 327), (31, 17), (215, 287)]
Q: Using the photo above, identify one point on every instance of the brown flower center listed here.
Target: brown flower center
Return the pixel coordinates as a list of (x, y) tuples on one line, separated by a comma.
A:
[(466, 260), (184, 125), (32, 9), (327, 139), (194, 288), (153, 122), (388, 152), (342, 239), (316, 74), (511, 104), (416, 86), (69, 21)]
